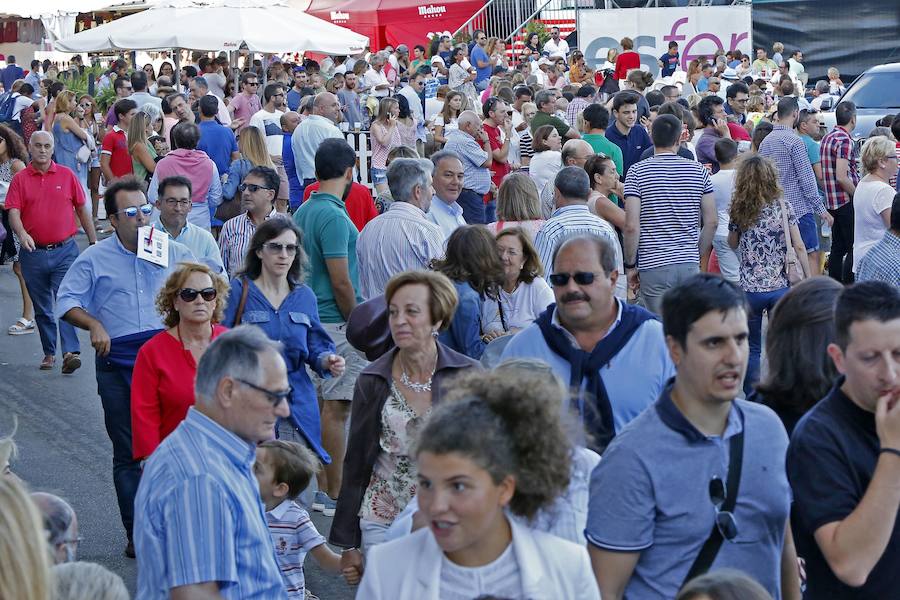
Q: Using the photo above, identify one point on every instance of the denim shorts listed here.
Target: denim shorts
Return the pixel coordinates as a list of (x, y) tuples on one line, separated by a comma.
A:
[(379, 175), (809, 232)]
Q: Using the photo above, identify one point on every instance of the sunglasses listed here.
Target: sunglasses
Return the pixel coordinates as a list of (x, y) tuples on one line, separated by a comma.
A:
[(276, 397), (252, 187), (725, 520), (132, 211), (581, 278), (190, 294), (276, 248)]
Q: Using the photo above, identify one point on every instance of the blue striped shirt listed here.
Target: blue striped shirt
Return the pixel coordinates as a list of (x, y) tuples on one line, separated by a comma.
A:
[(199, 518), (573, 220), (670, 189), (446, 216), (293, 536), (402, 239), (473, 155), (882, 261), (788, 152)]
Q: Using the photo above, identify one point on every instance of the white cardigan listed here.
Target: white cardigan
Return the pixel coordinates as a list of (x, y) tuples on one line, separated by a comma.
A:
[(409, 568)]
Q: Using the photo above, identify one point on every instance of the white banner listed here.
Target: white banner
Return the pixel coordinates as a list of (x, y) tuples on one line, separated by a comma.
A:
[(699, 31)]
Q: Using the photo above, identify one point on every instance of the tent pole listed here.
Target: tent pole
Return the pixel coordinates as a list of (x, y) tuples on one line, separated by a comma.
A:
[(177, 75)]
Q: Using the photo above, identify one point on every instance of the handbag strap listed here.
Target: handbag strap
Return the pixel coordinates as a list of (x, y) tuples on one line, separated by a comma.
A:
[(710, 548), (791, 254), (245, 288)]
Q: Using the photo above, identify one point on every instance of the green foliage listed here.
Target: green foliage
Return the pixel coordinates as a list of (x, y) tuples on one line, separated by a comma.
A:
[(463, 37), (535, 26)]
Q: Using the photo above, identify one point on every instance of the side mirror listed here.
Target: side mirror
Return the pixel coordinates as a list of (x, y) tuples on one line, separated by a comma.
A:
[(827, 104)]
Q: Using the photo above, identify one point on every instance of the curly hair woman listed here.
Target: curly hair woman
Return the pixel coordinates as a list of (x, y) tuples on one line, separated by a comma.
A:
[(473, 265), (496, 446), (757, 232)]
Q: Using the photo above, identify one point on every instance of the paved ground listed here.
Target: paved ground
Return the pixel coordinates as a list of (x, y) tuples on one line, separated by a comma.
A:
[(63, 447)]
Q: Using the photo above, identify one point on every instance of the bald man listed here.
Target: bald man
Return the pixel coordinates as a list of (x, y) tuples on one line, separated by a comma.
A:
[(61, 525), (315, 129), (574, 154), (472, 145)]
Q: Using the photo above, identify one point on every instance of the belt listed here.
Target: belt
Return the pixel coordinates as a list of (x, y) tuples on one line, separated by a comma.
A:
[(465, 189), (52, 246)]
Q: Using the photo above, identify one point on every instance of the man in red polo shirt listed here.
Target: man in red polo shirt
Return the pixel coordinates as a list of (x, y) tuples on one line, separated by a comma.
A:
[(498, 126), (358, 200), (42, 201), (115, 160)]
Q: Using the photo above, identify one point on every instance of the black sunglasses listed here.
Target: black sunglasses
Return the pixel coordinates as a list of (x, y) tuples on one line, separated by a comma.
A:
[(190, 294), (581, 278), (252, 187), (275, 398), (725, 521)]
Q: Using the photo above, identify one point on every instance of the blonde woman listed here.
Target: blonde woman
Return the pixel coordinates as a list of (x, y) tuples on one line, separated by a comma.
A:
[(252, 146), (143, 154), (24, 558), (874, 196), (518, 205), (385, 137)]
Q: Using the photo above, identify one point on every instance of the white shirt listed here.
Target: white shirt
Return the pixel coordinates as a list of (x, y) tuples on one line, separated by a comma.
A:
[(433, 107), (446, 216), (723, 187), (305, 141), (216, 83), (869, 201), (544, 166), (269, 123), (223, 114), (520, 308), (373, 78), (557, 49)]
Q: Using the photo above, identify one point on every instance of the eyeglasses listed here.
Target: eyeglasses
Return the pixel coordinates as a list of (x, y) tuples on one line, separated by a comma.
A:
[(725, 521), (132, 211), (177, 202), (252, 187), (190, 294), (581, 278), (275, 397), (276, 248)]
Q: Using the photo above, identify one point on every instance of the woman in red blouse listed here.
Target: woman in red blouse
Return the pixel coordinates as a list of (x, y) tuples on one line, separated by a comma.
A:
[(191, 303), (627, 60)]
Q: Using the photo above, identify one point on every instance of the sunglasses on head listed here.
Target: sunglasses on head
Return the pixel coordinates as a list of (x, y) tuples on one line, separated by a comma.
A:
[(132, 211), (190, 294), (581, 278)]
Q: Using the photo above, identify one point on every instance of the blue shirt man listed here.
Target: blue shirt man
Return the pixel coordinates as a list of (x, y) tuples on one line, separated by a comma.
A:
[(626, 132), (479, 57), (111, 292), (218, 142), (11, 73), (200, 521), (660, 491), (575, 327)]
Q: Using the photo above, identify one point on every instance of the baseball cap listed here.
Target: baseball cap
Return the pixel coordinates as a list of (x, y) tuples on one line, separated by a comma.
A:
[(403, 49)]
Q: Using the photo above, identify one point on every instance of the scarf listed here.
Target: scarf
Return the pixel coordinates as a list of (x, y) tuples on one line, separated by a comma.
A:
[(598, 419), (124, 349)]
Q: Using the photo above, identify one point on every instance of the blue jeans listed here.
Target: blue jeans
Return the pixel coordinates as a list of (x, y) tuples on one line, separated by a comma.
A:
[(114, 387), (43, 271), (759, 302), (472, 204)]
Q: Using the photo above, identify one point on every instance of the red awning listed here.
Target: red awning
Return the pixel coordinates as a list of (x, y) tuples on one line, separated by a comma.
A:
[(395, 21)]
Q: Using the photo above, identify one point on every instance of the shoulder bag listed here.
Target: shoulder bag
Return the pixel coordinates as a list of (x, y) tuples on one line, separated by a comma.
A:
[(245, 289), (710, 549), (792, 267)]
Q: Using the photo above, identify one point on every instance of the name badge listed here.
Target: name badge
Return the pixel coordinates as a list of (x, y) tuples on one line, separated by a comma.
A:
[(153, 245)]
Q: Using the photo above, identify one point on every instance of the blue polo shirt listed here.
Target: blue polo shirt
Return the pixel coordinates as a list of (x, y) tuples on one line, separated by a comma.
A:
[(650, 495), (218, 142), (631, 145), (478, 54)]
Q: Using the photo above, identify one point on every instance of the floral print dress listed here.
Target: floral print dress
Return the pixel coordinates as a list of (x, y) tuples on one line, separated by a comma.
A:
[(393, 482), (762, 250)]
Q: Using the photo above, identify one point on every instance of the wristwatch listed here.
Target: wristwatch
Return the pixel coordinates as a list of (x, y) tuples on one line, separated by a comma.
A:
[(630, 265)]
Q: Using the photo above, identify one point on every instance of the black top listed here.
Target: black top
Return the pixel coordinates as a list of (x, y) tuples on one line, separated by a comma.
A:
[(830, 462)]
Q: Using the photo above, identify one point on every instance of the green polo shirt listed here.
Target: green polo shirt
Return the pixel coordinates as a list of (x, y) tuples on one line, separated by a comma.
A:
[(328, 232), (600, 144), (542, 118)]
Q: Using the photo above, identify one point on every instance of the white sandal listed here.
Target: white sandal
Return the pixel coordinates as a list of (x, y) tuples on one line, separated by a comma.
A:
[(21, 327)]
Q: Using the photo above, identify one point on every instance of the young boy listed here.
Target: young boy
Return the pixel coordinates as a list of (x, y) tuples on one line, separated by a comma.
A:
[(283, 470)]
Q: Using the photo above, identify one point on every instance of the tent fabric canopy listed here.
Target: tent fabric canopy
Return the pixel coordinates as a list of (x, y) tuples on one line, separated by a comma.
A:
[(228, 25), (396, 21)]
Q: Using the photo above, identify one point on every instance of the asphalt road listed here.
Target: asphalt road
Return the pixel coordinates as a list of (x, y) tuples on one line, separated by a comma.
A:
[(63, 447)]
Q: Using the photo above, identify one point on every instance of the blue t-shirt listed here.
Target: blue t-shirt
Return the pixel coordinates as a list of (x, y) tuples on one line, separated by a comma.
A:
[(632, 145), (218, 142), (481, 73), (812, 149), (293, 99), (670, 63)]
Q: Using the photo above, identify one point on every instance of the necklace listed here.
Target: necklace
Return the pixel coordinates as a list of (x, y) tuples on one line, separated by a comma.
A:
[(425, 386)]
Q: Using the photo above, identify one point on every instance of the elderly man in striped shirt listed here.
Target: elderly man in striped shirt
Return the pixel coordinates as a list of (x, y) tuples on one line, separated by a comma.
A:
[(200, 530), (670, 216), (402, 239)]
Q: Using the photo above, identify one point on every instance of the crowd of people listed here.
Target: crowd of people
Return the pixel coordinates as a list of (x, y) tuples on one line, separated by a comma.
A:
[(552, 264)]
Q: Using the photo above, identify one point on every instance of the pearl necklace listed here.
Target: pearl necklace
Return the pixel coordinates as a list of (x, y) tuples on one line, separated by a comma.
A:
[(425, 386)]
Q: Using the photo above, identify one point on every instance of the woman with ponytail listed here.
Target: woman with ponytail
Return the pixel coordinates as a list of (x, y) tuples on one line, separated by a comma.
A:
[(495, 449)]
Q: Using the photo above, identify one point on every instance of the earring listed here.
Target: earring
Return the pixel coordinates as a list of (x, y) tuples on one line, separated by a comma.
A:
[(434, 333)]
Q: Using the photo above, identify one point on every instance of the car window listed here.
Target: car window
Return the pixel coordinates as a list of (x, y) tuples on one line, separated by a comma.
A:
[(876, 90)]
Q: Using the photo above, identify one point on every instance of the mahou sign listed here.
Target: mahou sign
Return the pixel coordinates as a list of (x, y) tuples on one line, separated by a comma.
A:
[(699, 31)]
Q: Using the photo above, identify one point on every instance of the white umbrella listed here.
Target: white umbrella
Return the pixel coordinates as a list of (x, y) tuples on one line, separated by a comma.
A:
[(267, 27)]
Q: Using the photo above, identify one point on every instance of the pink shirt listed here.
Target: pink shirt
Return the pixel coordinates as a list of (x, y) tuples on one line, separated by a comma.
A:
[(245, 107)]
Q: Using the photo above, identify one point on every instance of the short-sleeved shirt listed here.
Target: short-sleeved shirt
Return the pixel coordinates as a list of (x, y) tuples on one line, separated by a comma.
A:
[(650, 495), (293, 535), (670, 189), (244, 108), (632, 145), (830, 463), (115, 145), (837, 144), (602, 145), (762, 250), (541, 118), (670, 63), (472, 155), (812, 149), (46, 202), (499, 170), (328, 232), (479, 55), (269, 123), (198, 516), (218, 142)]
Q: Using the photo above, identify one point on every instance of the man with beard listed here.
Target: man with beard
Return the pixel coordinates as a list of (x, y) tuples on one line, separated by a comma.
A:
[(349, 99)]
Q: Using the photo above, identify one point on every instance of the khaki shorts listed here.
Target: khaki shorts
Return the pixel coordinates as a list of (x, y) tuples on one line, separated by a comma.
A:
[(340, 388)]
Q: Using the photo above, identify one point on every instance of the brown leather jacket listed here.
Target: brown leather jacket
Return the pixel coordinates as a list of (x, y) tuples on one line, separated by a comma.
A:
[(372, 390)]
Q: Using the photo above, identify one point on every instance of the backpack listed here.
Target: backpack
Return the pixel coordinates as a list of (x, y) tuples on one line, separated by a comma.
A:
[(7, 106)]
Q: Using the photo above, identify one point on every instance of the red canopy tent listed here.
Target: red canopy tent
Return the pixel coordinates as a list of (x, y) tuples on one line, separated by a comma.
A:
[(395, 21)]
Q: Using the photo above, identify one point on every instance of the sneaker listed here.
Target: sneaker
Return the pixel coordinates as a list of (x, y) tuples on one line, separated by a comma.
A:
[(324, 504), (71, 363)]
